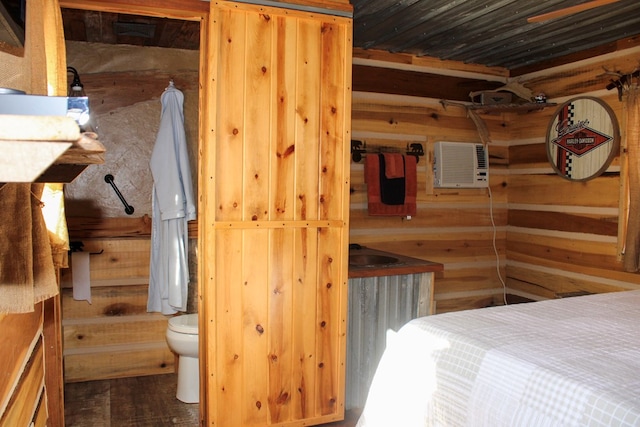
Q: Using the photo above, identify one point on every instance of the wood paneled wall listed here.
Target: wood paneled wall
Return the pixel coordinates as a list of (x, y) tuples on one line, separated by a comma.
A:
[(552, 236), (454, 227), (114, 336), (563, 236)]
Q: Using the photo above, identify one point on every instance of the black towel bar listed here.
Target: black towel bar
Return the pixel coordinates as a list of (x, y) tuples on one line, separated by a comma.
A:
[(127, 207), (359, 148)]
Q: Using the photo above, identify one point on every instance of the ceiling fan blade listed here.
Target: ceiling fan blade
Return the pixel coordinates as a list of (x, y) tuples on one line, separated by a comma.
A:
[(569, 10)]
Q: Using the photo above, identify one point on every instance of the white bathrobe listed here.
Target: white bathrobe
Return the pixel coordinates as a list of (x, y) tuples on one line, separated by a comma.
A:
[(173, 205)]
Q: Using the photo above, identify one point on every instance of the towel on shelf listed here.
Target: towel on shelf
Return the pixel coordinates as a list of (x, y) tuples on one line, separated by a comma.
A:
[(399, 193), (27, 274)]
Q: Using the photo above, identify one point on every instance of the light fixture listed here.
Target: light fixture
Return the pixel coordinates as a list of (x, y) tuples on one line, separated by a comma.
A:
[(77, 101), (76, 88)]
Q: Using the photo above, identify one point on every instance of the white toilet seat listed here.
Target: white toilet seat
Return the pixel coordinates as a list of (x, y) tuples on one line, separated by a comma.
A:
[(184, 324)]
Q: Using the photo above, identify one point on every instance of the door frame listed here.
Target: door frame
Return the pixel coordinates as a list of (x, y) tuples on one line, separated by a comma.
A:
[(186, 10)]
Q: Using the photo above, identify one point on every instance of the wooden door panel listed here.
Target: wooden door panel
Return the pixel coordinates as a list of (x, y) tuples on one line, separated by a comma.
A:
[(275, 282)]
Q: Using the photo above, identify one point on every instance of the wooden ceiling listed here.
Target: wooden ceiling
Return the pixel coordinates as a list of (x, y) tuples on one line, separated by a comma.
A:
[(118, 28)]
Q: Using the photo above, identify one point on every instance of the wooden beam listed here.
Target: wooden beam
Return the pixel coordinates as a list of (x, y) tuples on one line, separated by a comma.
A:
[(415, 83), (52, 332), (178, 9), (569, 10), (631, 259), (622, 44)]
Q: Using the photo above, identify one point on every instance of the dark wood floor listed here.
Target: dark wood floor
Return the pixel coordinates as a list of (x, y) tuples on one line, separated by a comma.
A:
[(127, 402), (141, 402)]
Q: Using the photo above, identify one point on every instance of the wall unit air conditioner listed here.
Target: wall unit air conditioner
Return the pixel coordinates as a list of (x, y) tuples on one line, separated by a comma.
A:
[(460, 165)]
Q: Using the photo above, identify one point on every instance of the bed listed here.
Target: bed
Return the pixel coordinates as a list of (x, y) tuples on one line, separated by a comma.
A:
[(563, 362)]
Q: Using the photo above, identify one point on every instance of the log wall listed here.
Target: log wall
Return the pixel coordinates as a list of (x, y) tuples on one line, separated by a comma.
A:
[(552, 236), (563, 236), (114, 336), (454, 227)]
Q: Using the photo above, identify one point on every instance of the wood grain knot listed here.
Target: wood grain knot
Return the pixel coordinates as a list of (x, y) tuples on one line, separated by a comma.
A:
[(289, 151), (118, 309), (282, 398), (260, 329)]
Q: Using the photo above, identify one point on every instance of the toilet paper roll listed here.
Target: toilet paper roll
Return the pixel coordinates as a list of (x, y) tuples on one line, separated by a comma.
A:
[(80, 270)]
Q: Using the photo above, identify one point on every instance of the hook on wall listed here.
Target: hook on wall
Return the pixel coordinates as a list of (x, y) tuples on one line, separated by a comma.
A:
[(622, 83)]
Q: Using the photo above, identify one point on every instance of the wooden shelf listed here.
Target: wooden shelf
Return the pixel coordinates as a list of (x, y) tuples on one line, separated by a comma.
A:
[(45, 149), (511, 108)]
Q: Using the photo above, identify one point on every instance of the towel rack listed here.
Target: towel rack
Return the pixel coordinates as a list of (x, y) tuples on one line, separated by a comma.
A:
[(76, 246), (359, 148)]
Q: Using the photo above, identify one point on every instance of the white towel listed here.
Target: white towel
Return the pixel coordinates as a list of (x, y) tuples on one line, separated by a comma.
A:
[(80, 270)]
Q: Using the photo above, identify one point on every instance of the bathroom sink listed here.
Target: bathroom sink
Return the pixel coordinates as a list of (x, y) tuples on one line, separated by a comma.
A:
[(362, 260)]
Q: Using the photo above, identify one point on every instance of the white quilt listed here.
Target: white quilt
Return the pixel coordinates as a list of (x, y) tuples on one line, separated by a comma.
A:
[(565, 362)]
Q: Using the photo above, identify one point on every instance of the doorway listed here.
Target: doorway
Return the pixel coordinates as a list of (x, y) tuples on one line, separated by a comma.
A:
[(105, 47)]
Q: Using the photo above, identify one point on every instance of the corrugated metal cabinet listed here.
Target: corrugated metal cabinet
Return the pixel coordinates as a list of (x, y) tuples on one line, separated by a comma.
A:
[(274, 186)]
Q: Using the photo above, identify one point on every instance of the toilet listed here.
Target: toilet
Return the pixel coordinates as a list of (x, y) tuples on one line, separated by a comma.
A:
[(182, 338)]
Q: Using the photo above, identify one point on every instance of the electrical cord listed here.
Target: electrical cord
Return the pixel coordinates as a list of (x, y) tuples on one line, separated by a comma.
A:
[(495, 248)]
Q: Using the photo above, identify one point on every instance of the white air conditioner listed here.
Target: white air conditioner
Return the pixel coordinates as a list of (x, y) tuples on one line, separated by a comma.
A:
[(460, 165)]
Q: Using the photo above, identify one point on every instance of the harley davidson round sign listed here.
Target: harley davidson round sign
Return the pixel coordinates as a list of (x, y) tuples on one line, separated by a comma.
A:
[(582, 138)]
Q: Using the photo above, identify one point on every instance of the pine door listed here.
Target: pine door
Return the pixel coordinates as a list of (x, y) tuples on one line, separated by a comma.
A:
[(273, 222)]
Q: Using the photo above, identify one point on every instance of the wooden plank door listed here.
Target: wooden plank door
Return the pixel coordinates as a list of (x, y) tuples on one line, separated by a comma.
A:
[(274, 185)]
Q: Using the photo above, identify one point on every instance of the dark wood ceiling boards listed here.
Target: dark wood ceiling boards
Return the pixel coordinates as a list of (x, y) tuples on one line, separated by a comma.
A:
[(414, 83), (118, 28)]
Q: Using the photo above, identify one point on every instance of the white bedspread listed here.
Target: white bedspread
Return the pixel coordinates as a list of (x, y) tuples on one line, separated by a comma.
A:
[(565, 362)]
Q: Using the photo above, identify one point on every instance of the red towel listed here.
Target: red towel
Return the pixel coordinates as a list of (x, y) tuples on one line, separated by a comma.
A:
[(394, 165), (372, 178)]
